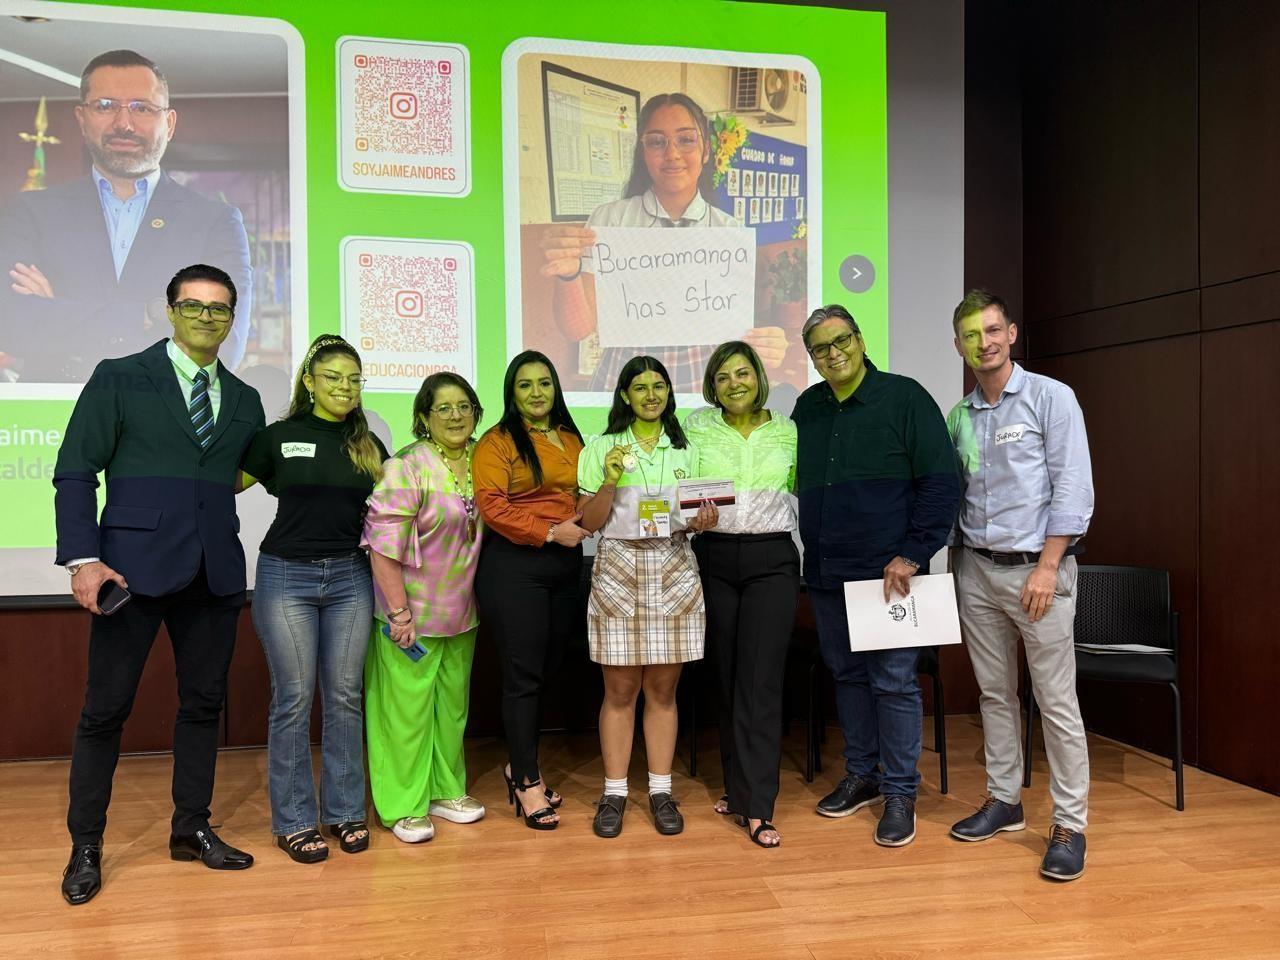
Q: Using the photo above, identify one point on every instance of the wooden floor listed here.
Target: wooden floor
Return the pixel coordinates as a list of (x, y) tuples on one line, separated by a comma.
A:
[(1200, 884)]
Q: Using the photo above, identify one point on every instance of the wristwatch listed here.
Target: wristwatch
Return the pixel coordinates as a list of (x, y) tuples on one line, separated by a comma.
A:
[(74, 568), (908, 561)]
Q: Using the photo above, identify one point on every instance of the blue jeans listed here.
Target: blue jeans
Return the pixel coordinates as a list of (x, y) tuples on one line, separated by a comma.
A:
[(878, 699), (313, 618)]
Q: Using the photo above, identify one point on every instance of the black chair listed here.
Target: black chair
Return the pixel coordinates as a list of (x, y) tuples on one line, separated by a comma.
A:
[(931, 667), (1124, 605)]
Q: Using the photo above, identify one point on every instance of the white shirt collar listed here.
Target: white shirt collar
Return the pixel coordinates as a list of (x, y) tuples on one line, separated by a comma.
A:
[(696, 211)]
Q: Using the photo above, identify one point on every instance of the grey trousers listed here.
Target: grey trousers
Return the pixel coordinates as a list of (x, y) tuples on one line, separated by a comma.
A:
[(992, 619)]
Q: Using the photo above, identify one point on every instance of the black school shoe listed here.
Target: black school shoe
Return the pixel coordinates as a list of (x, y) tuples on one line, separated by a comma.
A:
[(993, 817), (608, 818), (850, 795), (666, 818), (1064, 860)]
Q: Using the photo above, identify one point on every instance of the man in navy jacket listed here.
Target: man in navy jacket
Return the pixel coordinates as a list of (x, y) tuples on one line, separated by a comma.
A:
[(84, 262), (878, 489), (168, 426)]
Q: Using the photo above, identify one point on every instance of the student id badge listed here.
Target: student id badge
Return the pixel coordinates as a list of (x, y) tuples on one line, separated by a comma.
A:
[(655, 518)]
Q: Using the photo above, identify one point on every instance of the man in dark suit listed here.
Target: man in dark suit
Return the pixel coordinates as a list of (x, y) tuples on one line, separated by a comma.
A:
[(85, 260), (168, 426)]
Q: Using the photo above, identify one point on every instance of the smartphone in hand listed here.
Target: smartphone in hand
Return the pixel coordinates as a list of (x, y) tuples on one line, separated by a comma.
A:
[(415, 652), (111, 597)]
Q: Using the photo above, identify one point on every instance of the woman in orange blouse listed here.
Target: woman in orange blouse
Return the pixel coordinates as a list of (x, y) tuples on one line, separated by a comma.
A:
[(525, 472)]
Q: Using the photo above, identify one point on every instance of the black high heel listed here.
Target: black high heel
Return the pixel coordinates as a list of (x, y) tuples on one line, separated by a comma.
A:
[(553, 799), (537, 819)]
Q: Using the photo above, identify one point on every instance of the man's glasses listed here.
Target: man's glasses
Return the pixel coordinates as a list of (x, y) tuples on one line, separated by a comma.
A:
[(106, 107), (192, 310), (823, 350), (686, 141), (355, 381), (446, 410)]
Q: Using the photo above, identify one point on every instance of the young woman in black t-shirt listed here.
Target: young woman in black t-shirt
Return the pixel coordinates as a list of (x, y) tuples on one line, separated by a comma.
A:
[(313, 598)]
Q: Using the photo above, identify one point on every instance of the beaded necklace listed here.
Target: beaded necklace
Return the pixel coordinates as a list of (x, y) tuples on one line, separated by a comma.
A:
[(465, 491)]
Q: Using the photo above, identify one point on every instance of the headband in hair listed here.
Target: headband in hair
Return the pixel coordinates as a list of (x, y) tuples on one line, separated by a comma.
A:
[(317, 347)]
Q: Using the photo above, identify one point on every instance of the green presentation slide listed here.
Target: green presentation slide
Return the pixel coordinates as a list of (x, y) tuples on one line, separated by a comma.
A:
[(443, 184)]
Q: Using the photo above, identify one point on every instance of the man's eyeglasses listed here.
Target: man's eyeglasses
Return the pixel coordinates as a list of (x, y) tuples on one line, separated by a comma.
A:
[(823, 350), (192, 310), (446, 410), (355, 381), (106, 107), (686, 141)]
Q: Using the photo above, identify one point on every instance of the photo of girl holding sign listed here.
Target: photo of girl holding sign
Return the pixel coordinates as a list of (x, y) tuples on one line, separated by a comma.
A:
[(670, 186), (645, 615)]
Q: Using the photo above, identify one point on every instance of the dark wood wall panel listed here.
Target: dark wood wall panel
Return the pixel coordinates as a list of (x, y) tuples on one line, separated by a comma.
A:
[(44, 663), (1110, 144), (1141, 412), (1239, 138), (1151, 145), (1254, 300), (1171, 316), (1240, 527)]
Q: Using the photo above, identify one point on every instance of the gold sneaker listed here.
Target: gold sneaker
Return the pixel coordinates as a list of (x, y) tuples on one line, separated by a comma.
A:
[(463, 809), (414, 829)]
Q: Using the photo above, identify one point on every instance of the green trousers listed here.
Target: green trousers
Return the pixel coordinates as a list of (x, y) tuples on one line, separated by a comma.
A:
[(415, 714)]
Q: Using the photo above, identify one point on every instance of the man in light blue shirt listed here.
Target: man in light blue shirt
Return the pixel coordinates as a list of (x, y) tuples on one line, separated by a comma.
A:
[(1028, 498), (75, 292), (123, 213)]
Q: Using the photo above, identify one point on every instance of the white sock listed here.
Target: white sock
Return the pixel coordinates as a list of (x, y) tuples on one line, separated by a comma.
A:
[(659, 783), (615, 788)]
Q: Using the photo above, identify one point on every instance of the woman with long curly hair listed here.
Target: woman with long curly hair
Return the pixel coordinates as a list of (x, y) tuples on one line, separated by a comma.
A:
[(313, 597)]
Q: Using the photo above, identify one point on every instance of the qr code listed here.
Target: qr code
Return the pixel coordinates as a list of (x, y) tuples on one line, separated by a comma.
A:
[(403, 105), (408, 303)]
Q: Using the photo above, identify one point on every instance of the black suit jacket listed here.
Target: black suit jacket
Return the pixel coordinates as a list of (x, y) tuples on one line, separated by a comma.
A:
[(92, 314), (170, 503)]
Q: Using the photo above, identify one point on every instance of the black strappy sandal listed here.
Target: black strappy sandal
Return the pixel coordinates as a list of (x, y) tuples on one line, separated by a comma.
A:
[(537, 819), (726, 812), (346, 833), (553, 799), (293, 845)]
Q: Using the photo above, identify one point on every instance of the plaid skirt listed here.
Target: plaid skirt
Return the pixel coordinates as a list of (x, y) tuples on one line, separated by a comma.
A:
[(646, 603)]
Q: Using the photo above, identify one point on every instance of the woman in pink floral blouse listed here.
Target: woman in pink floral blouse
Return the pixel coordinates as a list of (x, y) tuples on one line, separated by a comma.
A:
[(423, 536)]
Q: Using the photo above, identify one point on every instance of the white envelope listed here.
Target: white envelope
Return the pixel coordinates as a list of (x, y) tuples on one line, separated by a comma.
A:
[(926, 617), (691, 493)]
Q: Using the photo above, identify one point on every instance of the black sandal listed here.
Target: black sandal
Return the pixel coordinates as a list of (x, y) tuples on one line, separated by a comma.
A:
[(553, 799), (755, 834), (538, 819), (726, 812), (293, 845), (347, 832)]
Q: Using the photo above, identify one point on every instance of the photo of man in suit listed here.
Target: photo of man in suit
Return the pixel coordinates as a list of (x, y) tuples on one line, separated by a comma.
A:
[(168, 426), (84, 260)]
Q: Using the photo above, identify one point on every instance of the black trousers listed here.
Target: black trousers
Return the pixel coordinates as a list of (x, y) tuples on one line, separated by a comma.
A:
[(530, 603), (202, 628), (751, 583)]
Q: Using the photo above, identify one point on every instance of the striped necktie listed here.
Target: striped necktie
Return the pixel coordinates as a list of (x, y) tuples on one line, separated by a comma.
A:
[(200, 408)]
